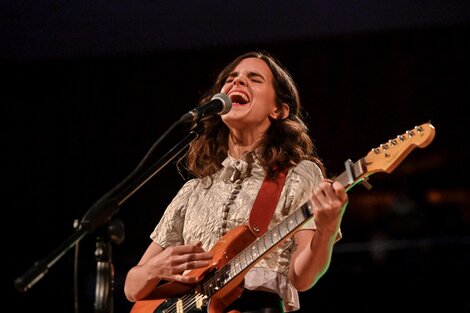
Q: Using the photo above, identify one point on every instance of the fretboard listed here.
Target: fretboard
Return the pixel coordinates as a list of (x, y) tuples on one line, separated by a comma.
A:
[(257, 249)]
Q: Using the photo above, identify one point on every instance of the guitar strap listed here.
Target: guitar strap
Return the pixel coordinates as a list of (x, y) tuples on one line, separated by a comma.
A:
[(265, 203)]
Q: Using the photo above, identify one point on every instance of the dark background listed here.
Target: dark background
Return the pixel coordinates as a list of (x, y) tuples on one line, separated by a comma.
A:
[(88, 87)]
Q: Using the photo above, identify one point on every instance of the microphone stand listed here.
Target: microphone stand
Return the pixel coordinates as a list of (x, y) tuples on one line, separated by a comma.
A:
[(98, 214)]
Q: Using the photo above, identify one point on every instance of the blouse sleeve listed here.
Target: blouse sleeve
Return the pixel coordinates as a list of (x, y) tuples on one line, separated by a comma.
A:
[(307, 176), (304, 177), (169, 229)]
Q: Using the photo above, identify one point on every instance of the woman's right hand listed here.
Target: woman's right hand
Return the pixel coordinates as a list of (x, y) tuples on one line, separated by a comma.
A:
[(171, 263)]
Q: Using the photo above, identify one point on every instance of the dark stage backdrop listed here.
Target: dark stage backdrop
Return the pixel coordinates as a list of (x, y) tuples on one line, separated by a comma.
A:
[(76, 126)]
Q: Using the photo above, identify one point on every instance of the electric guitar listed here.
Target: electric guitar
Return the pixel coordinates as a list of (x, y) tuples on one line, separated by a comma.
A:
[(236, 252)]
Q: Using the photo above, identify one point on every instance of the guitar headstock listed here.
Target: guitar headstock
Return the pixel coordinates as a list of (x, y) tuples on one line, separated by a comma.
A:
[(389, 155)]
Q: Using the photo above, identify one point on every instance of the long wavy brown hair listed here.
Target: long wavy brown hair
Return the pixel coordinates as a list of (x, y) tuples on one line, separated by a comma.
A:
[(285, 143)]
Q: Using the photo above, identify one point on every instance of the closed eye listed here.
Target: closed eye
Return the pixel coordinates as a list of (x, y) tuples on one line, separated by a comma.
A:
[(253, 76), (256, 77)]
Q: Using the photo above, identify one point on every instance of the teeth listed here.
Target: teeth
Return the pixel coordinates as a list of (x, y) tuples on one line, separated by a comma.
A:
[(244, 96)]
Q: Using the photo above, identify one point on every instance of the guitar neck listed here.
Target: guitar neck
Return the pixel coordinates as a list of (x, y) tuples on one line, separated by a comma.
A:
[(252, 253)]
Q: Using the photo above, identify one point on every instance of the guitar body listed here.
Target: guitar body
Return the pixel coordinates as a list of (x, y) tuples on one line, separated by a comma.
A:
[(179, 297)]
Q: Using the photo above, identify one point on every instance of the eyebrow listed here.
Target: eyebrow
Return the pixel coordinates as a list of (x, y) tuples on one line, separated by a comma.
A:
[(249, 74)]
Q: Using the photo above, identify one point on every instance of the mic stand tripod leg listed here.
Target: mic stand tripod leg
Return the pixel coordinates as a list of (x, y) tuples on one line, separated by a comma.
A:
[(104, 267)]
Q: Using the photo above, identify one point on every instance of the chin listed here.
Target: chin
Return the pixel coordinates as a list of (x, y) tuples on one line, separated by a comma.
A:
[(234, 120)]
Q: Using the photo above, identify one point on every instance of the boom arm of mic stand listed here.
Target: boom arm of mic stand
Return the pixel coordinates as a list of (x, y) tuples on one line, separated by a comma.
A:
[(101, 212)]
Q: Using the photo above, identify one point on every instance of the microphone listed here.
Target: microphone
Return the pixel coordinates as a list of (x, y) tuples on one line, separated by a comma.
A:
[(219, 104)]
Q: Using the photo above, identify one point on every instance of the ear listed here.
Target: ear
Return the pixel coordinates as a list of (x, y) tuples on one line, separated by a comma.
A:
[(280, 112)]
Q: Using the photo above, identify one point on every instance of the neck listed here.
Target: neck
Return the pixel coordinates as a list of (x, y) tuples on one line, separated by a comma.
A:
[(245, 137), (239, 144)]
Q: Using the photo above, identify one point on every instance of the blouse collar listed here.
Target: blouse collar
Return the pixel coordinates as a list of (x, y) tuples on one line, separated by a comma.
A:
[(235, 169)]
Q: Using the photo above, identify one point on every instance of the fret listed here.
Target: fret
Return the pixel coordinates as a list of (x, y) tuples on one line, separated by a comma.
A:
[(246, 261), (226, 275), (230, 273), (249, 257), (242, 260), (227, 271), (306, 210), (275, 235), (299, 217), (303, 213), (268, 240), (237, 266), (291, 223), (283, 229), (217, 280), (254, 252), (260, 246)]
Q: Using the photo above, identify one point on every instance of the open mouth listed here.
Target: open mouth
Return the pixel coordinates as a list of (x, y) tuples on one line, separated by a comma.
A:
[(239, 97)]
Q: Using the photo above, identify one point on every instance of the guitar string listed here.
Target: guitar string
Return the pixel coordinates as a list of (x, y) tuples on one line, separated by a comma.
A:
[(173, 306), (190, 304), (248, 257), (242, 258)]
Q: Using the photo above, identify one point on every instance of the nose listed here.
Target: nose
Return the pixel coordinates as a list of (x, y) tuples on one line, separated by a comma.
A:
[(240, 80)]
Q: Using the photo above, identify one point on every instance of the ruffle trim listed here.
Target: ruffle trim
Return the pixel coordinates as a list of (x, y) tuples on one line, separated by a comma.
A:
[(260, 279)]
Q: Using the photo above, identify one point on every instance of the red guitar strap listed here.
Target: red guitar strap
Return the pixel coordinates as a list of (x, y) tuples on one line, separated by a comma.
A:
[(265, 203)]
